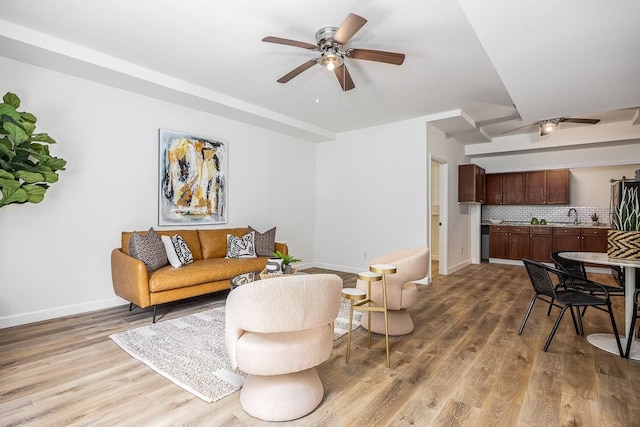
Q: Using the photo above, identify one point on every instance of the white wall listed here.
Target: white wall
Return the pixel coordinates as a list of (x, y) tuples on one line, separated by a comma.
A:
[(54, 256), (371, 194)]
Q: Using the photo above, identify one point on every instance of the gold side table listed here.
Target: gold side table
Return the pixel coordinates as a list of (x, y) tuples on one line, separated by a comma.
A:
[(353, 295), (383, 270)]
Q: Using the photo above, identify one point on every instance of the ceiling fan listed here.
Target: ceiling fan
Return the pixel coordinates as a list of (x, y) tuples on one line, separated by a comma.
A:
[(549, 125), (330, 42)]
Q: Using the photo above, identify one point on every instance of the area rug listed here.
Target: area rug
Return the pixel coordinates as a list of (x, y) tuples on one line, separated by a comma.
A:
[(190, 350)]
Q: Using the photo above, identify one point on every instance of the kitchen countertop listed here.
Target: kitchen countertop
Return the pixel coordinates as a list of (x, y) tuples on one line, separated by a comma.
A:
[(550, 224)]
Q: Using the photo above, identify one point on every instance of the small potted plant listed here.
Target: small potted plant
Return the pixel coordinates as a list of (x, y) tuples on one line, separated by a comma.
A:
[(287, 260), (594, 218), (624, 241)]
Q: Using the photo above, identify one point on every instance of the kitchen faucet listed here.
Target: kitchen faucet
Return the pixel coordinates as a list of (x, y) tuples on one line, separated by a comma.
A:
[(575, 221)]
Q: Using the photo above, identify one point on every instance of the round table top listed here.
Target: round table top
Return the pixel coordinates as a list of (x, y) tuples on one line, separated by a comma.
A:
[(599, 258), (369, 276), (383, 268), (353, 293)]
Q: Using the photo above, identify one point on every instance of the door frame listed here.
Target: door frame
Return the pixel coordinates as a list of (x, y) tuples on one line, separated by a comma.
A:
[(443, 201)]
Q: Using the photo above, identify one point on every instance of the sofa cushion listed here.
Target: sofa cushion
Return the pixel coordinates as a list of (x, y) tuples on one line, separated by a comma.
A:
[(189, 236), (177, 250), (203, 271), (149, 249), (241, 247), (265, 242), (214, 242)]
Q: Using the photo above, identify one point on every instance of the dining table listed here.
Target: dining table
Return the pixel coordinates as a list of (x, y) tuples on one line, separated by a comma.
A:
[(607, 342)]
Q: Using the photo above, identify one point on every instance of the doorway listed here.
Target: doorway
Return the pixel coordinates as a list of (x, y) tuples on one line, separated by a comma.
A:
[(438, 171)]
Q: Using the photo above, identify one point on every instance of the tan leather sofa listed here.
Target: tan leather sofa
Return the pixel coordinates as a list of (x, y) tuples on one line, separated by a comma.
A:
[(210, 271)]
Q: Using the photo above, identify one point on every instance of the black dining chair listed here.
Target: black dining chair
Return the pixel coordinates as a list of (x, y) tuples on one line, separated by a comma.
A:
[(565, 299), (633, 323), (576, 278)]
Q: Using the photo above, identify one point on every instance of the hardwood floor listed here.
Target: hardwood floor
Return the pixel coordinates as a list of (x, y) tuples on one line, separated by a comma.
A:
[(464, 364)]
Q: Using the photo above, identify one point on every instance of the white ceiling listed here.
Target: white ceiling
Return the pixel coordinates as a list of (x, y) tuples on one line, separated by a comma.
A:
[(578, 58)]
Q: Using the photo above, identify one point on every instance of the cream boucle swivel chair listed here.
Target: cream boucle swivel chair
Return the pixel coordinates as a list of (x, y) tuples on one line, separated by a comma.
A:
[(412, 264), (277, 330)]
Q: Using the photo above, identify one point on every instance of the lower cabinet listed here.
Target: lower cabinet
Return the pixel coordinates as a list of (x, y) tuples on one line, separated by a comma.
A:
[(518, 242), (508, 242), (593, 239), (566, 239), (498, 241), (537, 243), (540, 243)]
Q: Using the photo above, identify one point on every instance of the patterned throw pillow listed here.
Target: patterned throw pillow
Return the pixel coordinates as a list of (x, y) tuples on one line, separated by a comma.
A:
[(149, 249), (177, 251), (241, 247), (265, 242)]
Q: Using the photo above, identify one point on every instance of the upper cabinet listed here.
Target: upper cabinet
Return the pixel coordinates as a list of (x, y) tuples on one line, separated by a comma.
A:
[(471, 182), (547, 187), (505, 188), (558, 187)]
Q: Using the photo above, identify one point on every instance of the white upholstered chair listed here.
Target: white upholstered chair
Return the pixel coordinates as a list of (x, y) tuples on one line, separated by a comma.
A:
[(412, 264), (277, 330)]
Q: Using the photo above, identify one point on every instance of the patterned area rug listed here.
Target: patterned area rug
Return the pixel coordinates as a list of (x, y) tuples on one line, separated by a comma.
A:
[(190, 351)]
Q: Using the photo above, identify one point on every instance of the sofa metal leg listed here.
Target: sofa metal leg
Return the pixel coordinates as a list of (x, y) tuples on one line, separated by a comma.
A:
[(130, 306), (154, 313)]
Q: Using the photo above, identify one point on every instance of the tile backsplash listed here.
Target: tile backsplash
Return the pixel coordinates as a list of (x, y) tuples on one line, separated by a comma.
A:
[(524, 213)]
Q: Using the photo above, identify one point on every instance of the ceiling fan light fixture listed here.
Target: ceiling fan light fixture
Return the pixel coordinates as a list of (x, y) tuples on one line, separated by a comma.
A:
[(548, 126), (331, 60)]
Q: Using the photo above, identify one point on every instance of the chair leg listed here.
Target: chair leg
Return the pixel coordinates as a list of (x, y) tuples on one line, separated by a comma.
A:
[(573, 317), (526, 317), (580, 324), (550, 307), (615, 328), (555, 327), (631, 329)]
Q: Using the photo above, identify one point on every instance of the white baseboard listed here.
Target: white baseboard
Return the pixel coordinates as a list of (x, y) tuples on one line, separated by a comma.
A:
[(460, 266), (53, 313)]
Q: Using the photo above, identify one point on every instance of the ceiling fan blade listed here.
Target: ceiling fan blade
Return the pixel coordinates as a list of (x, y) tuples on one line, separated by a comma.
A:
[(521, 127), (583, 121), (349, 27), (293, 73), (376, 55), (288, 42), (344, 77)]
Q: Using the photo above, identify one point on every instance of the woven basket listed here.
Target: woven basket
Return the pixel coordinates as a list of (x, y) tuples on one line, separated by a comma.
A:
[(623, 245), (265, 275)]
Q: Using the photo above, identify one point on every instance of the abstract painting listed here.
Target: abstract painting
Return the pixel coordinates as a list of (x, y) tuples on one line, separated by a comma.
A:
[(193, 179)]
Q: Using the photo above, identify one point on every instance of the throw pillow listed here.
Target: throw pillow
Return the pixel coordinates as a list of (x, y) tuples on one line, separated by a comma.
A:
[(177, 251), (149, 249), (265, 242), (241, 247)]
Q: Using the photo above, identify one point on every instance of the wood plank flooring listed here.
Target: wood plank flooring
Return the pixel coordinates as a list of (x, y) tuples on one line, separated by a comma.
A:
[(463, 365)]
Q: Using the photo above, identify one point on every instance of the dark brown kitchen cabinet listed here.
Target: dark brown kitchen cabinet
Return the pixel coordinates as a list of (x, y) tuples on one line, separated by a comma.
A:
[(493, 188), (547, 187), (498, 241), (518, 242), (536, 187), (557, 187), (471, 179), (540, 243), (566, 239), (593, 239), (508, 242), (505, 188)]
